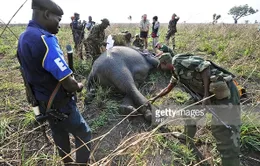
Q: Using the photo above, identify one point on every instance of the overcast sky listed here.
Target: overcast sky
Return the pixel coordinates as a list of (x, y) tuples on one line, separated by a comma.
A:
[(117, 11)]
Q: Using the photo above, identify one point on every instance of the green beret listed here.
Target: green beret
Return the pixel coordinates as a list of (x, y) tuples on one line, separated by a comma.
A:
[(47, 5)]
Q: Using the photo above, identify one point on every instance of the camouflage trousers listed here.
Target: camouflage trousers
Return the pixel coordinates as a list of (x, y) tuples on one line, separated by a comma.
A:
[(228, 143), (92, 50), (78, 39), (168, 36)]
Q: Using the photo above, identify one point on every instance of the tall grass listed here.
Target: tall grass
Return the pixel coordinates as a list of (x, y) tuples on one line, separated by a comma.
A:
[(236, 47)]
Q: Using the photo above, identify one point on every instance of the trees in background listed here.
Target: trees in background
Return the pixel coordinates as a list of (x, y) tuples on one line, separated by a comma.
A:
[(241, 11), (215, 18)]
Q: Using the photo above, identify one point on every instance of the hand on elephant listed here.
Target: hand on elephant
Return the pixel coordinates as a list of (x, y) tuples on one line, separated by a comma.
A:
[(80, 86)]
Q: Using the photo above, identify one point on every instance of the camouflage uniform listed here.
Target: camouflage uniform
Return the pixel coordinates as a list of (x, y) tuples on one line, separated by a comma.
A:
[(122, 39), (187, 70), (138, 42), (95, 40), (172, 29)]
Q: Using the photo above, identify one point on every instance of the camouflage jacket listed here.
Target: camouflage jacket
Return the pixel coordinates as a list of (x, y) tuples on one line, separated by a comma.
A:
[(122, 39), (188, 68), (138, 43), (172, 25), (97, 35)]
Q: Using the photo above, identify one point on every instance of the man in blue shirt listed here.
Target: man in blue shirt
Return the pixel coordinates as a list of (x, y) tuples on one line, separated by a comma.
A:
[(45, 67), (78, 32), (90, 23)]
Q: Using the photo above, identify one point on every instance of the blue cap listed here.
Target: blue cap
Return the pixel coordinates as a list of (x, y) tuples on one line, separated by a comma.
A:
[(47, 5)]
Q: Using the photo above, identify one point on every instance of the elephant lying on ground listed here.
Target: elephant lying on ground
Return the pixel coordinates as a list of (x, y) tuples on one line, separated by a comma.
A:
[(123, 68)]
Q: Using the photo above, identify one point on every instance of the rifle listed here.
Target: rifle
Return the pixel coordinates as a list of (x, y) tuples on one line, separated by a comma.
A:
[(29, 93), (39, 116), (198, 98), (71, 66), (31, 99)]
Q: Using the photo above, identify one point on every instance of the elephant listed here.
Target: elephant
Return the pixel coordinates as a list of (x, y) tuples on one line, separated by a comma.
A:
[(124, 68)]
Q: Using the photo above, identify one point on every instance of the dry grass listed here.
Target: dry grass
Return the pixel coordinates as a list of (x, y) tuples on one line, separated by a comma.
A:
[(21, 142)]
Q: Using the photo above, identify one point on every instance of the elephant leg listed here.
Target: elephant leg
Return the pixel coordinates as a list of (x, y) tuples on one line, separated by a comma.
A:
[(91, 88), (140, 102), (124, 81), (127, 106)]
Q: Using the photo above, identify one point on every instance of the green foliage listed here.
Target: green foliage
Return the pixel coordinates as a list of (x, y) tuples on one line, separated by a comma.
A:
[(215, 18), (81, 67), (250, 132), (179, 152), (29, 118), (234, 47), (241, 11), (179, 96), (4, 122)]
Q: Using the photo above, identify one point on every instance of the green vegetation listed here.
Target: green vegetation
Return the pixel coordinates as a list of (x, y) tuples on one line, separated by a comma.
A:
[(235, 47)]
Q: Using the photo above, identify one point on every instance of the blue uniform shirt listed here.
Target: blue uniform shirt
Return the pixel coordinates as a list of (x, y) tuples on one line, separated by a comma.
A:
[(75, 24), (43, 61)]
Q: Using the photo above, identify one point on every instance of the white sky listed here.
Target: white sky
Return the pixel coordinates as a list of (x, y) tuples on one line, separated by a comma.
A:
[(117, 11)]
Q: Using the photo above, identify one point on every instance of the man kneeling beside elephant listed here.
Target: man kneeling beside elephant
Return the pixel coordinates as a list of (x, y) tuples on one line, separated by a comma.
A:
[(203, 79)]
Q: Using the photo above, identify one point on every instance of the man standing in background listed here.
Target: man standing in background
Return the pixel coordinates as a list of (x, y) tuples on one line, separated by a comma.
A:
[(172, 29), (78, 32), (144, 29), (90, 23), (155, 31), (96, 39)]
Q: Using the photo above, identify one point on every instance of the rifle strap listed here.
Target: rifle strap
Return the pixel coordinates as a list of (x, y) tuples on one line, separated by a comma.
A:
[(55, 91)]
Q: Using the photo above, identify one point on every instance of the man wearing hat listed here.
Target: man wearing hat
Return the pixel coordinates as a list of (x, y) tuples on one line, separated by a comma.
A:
[(203, 78), (172, 29), (96, 40), (165, 55), (50, 77), (164, 49)]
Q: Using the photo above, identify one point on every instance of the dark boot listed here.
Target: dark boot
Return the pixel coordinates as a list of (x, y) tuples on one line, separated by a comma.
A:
[(230, 162)]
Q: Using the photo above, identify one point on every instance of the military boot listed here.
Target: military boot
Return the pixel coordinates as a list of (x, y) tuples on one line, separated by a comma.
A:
[(188, 134), (231, 162)]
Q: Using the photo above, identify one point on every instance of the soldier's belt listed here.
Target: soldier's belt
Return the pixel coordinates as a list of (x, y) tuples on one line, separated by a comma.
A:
[(55, 105), (52, 112)]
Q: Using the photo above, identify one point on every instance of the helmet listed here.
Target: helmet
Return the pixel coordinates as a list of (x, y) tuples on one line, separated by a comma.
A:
[(105, 21)]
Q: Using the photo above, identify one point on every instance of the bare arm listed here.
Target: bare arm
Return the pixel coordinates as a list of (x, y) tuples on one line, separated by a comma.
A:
[(164, 92), (71, 85), (159, 54)]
